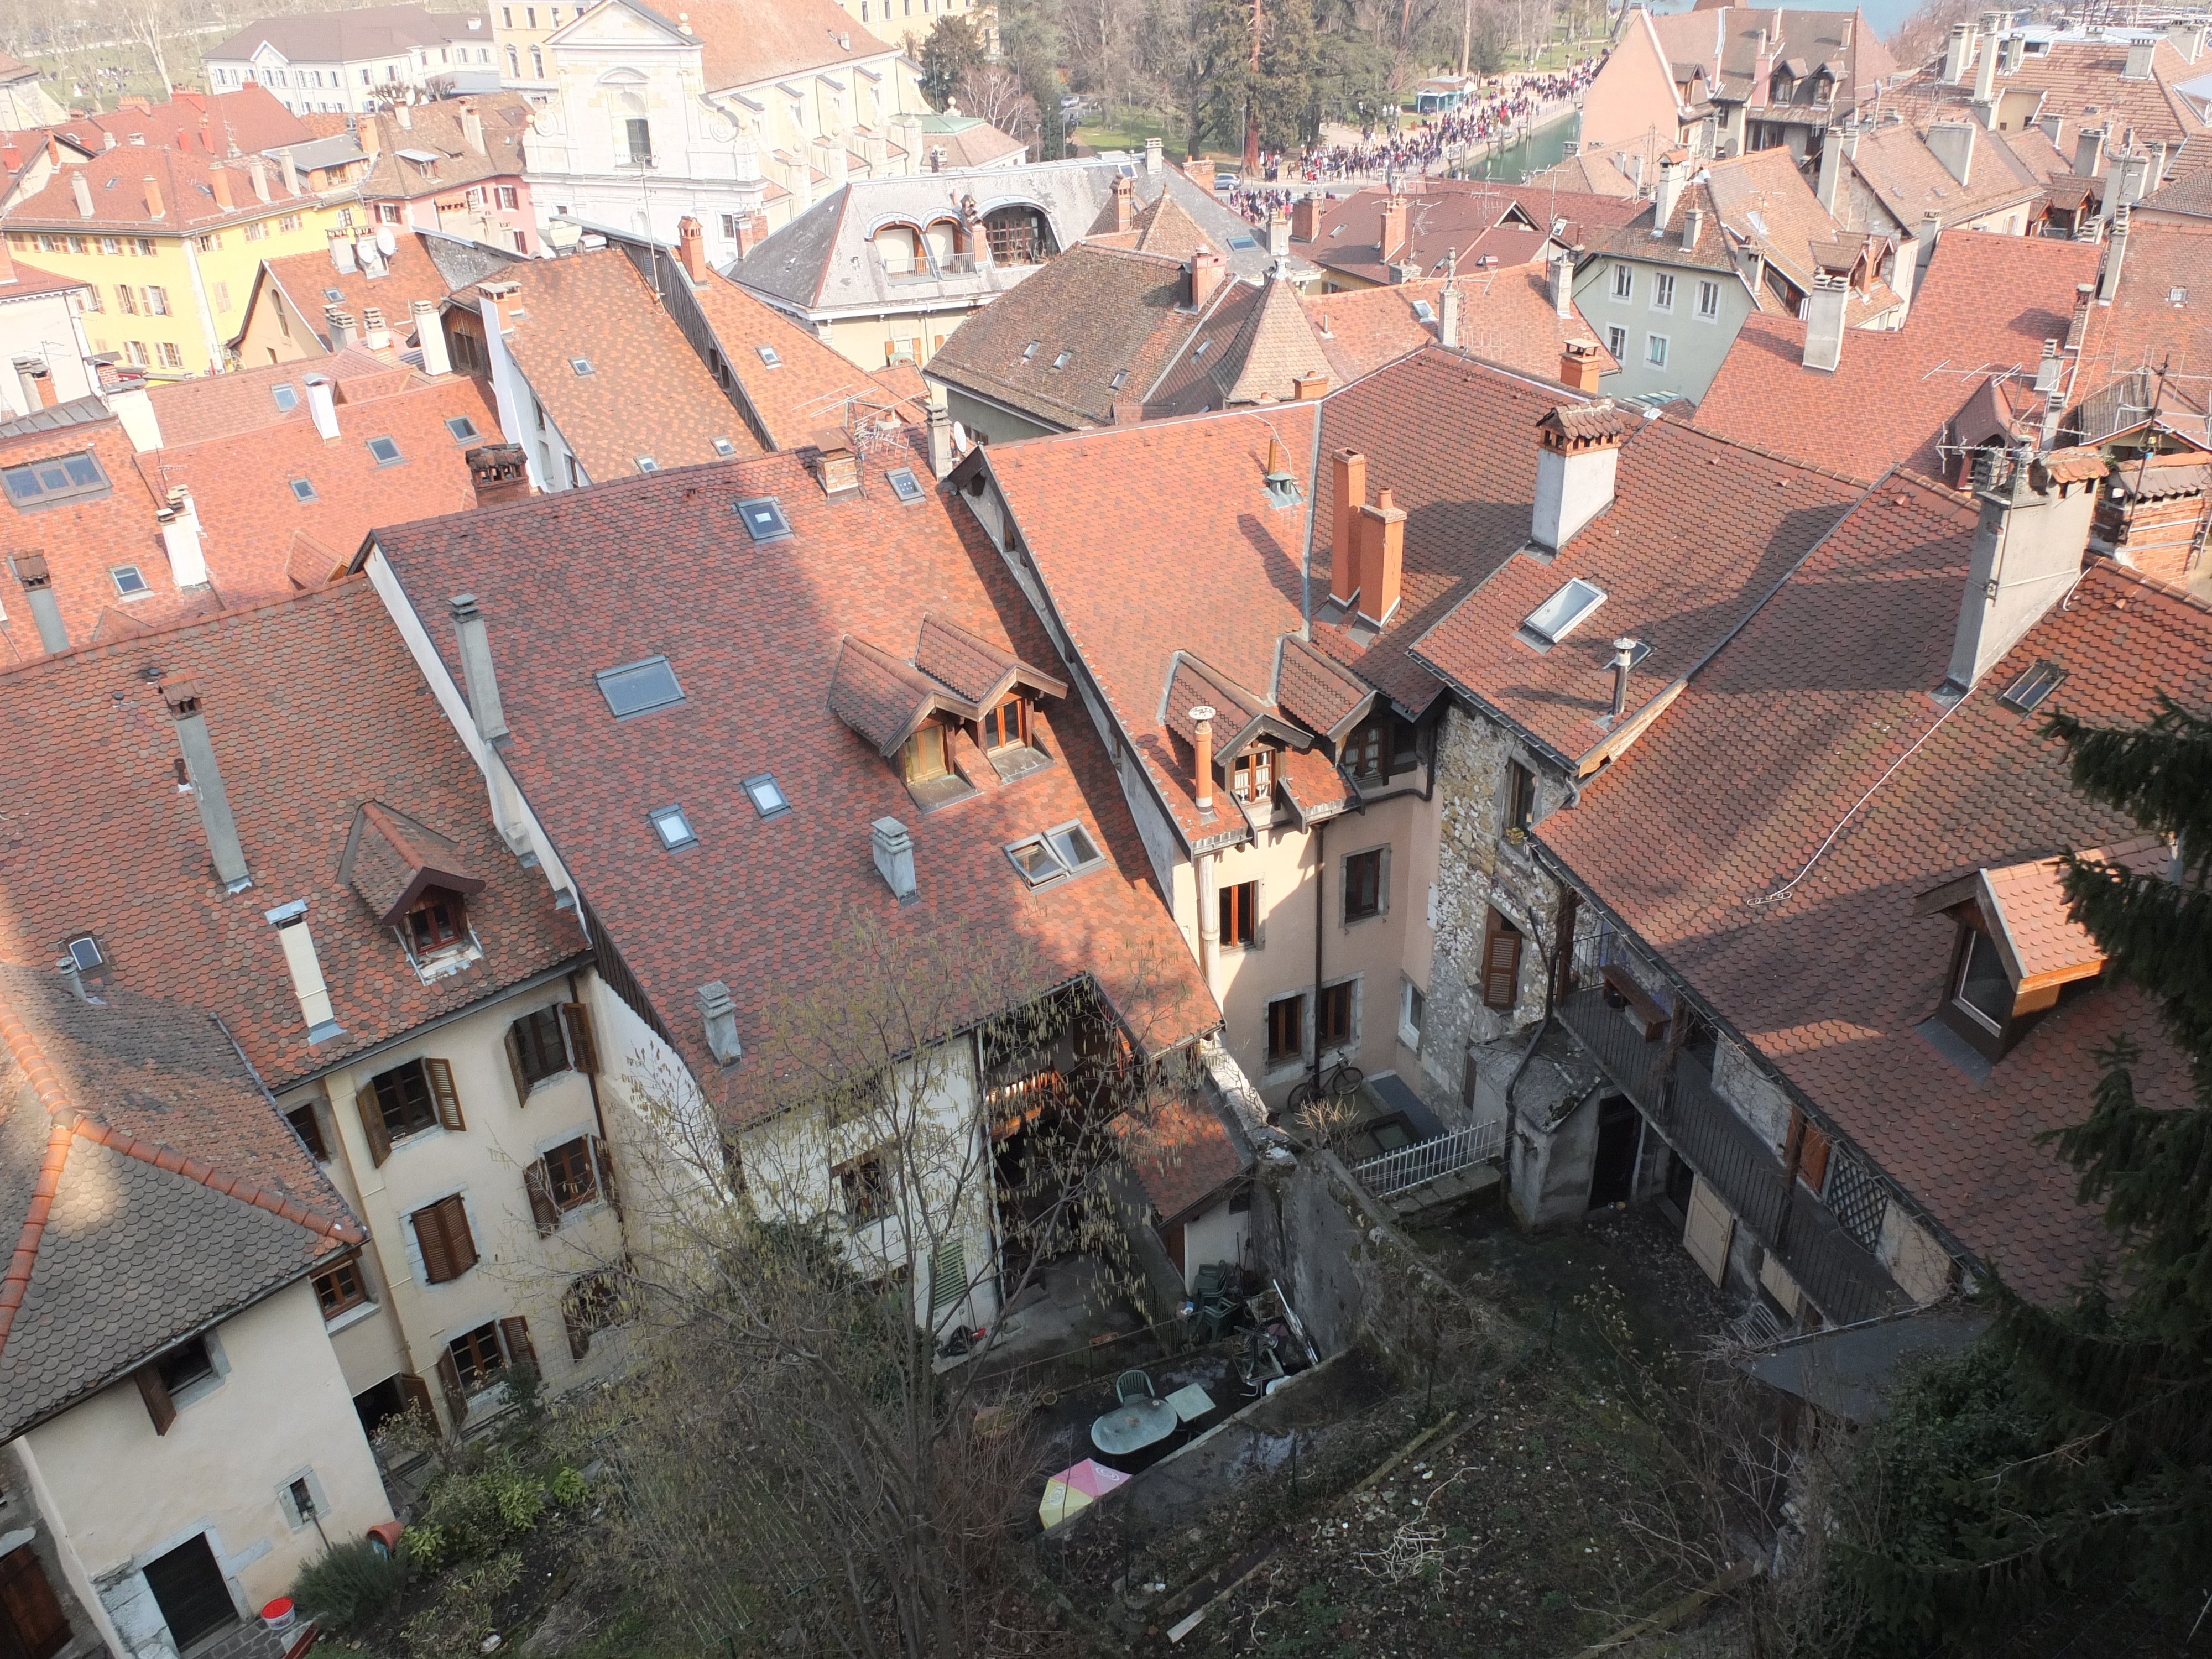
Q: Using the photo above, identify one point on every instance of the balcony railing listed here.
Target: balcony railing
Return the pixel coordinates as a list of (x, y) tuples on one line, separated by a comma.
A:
[(1844, 1282), (1430, 1160)]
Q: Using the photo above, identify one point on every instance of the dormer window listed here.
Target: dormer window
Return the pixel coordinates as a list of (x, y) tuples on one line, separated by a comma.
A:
[(1252, 776), (923, 756), (439, 921), (1006, 726)]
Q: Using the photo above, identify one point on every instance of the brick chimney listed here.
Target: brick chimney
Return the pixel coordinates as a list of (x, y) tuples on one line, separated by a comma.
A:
[(1348, 473), (154, 209), (1824, 321), (1390, 238), (370, 136), (1381, 558), (1305, 217), (691, 248), (1125, 202), (500, 473), (472, 128), (1208, 270), (2027, 552), (1579, 366), (216, 818), (1305, 387), (1578, 457), (219, 182)]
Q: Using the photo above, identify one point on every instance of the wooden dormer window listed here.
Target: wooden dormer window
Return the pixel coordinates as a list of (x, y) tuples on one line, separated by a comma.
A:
[(1006, 726), (438, 921), (923, 756), (1252, 775)]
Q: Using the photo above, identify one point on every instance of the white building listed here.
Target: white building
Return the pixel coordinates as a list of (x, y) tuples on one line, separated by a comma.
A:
[(346, 60)]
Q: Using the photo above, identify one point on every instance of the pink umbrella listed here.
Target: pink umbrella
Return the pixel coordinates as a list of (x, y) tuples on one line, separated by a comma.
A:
[(1075, 1489)]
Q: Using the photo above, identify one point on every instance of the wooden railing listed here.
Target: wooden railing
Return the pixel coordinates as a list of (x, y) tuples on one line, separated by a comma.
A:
[(1429, 1160)]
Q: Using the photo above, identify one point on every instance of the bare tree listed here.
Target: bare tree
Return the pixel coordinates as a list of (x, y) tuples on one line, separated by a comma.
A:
[(994, 92), (151, 23)]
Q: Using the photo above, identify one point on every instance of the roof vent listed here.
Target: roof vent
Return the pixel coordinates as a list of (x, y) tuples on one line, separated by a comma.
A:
[(291, 921), (893, 851), (183, 698)]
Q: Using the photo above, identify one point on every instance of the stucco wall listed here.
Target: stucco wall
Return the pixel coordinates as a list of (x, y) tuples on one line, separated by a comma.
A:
[(1695, 344)]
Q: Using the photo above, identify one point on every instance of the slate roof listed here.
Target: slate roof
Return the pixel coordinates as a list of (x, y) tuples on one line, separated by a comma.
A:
[(1732, 794), (1986, 304), (765, 904), (100, 839), (250, 121), (152, 1185), (2190, 194), (1506, 317), (344, 36)]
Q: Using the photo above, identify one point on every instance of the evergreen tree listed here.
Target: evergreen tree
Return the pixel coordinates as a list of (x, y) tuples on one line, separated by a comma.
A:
[(1285, 103), (950, 50), (2074, 1448)]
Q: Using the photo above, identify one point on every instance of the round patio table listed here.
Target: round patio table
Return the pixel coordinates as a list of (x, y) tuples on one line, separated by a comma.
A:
[(1133, 1425)]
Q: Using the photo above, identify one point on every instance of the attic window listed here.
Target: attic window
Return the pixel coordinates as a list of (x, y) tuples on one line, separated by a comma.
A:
[(85, 954), (386, 450), (2028, 692), (582, 365), (647, 463), (767, 795), (1058, 854), (43, 484), (438, 922), (764, 518), (128, 580), (1063, 360), (1030, 351), (335, 295), (303, 489), (1120, 378), (462, 428), (639, 687), (1424, 311), (767, 355), (287, 395), (904, 484), (1554, 619), (673, 828), (725, 449), (2176, 297)]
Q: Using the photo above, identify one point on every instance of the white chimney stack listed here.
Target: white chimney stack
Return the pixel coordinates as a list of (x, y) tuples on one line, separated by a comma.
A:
[(183, 700), (2027, 554), (1823, 322), (323, 406), (180, 537), (430, 334), (720, 1017), (341, 256), (893, 851), (291, 921), (1577, 459)]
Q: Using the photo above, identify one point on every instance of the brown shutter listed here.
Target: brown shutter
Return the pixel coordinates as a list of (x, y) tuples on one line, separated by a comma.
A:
[(579, 1331), (449, 1379), (515, 1333), (459, 1239), (440, 1075), (372, 1124), (1813, 1157), (543, 1210), (28, 1602), (604, 1162), (416, 1391), (156, 1393), (583, 1053), (514, 1064), (431, 1238), (1501, 962)]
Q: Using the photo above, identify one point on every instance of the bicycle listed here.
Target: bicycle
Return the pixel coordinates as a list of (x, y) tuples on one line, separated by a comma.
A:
[(1340, 1082)]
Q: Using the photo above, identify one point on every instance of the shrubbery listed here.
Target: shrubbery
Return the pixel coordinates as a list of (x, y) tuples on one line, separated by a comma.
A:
[(350, 1585)]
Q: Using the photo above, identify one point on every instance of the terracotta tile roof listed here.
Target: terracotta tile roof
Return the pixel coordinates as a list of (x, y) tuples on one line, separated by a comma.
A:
[(1733, 793), (100, 839), (1722, 43), (259, 536), (434, 129), (2027, 910), (980, 671), (157, 1191), (1594, 171), (1275, 348), (346, 36), (251, 121), (743, 41), (389, 859), (1639, 238), (1985, 306), (968, 141), (2190, 194), (183, 179), (309, 281), (1469, 217), (1506, 317), (1720, 567), (755, 658), (2033, 149), (211, 406), (884, 696), (26, 280), (1319, 692), (648, 394), (2146, 329), (811, 382), (1183, 1156), (1766, 205), (2083, 83)]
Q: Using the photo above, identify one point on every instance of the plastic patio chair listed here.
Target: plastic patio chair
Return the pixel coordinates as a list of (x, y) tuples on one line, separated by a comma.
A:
[(1132, 1385)]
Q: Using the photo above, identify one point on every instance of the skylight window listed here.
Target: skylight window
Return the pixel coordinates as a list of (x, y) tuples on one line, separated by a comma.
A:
[(647, 463), (638, 687), (462, 428), (582, 365), (724, 447), (335, 295), (1202, 346), (84, 951), (904, 484), (1030, 351), (42, 483), (1244, 241), (128, 580), (303, 489), (1120, 378), (2028, 692), (767, 795), (1557, 617), (1057, 855), (673, 828), (1424, 311), (1063, 360), (287, 395), (764, 518), (2176, 297), (767, 355), (386, 450)]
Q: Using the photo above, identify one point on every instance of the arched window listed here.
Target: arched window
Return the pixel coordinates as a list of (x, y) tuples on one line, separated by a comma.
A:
[(633, 132), (513, 62), (537, 63)]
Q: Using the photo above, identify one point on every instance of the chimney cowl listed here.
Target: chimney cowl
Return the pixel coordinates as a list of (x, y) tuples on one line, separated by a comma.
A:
[(1624, 659)]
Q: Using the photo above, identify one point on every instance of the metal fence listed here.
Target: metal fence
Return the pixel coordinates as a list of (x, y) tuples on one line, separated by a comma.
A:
[(1429, 1160)]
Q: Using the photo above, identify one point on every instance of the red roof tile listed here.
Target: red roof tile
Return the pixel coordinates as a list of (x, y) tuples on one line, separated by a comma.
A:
[(1506, 318), (1183, 1156), (212, 406), (810, 384), (183, 184), (249, 120)]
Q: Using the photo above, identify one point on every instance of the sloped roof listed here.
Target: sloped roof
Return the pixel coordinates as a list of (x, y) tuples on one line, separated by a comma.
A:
[(153, 1187), (742, 42), (2084, 83), (434, 128), (973, 666), (212, 406), (1764, 200), (1911, 183), (969, 141), (344, 36), (1506, 318), (2159, 326), (117, 180), (1724, 40), (410, 273), (1319, 692), (1643, 238), (1183, 1154), (883, 697), (1275, 348), (1473, 219), (253, 120), (390, 860)]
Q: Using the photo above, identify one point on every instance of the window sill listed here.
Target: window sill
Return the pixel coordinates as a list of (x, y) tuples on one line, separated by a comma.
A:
[(1411, 1038), (351, 1316)]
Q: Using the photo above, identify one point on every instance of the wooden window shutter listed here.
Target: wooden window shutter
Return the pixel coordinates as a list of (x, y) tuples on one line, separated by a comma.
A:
[(416, 1391), (1501, 962), (27, 1604), (156, 1393), (1563, 964), (603, 1161), (440, 1075), (514, 1066), (449, 1379), (543, 1210), (583, 1053), (1813, 1157), (579, 1329), (372, 1124), (516, 1333), (459, 1238), (430, 1239)]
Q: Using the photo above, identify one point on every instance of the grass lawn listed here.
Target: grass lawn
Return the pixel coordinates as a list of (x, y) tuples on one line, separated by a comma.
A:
[(1129, 127)]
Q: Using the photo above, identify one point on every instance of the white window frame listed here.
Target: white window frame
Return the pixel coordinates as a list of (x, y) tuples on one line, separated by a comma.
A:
[(1659, 359), (1662, 290), (1409, 1031), (1624, 283), (1616, 341), (1709, 302)]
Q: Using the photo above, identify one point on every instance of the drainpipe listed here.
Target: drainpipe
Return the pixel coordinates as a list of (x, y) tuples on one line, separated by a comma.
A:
[(1209, 920), (1321, 933)]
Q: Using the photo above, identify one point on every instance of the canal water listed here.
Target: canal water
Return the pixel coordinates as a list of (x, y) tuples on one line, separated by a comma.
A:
[(1544, 148)]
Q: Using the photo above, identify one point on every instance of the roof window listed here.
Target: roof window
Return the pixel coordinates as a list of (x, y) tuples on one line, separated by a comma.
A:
[(334, 295), (1424, 311), (43, 483), (904, 484), (1063, 360), (128, 580), (85, 955), (647, 463), (2176, 297), (767, 795), (1030, 349), (763, 516), (287, 395), (725, 449), (1202, 346), (673, 828), (303, 489), (638, 687), (462, 428), (767, 355), (1120, 378), (1557, 617), (387, 451), (2028, 692), (582, 365), (1057, 855)]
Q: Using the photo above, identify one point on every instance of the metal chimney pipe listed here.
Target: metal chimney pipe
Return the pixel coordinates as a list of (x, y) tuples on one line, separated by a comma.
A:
[(45, 609), (216, 818), (1202, 718), (1624, 659)]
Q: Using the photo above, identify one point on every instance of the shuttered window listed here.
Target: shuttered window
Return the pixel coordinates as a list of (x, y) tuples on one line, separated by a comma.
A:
[(409, 1098), (590, 1303), (1286, 1020), (547, 1042), (567, 1178), (1332, 1018), (441, 1232), (948, 1274), (1501, 962)]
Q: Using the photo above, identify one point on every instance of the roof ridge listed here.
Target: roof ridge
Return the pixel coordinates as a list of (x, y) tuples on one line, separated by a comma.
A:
[(2164, 589), (86, 652), (17, 1284)]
